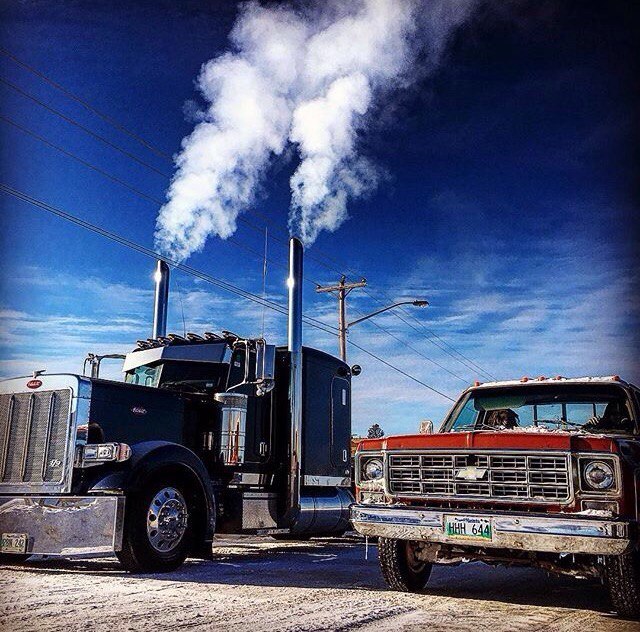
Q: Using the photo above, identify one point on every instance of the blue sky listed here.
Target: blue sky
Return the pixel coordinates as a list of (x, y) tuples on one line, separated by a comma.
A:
[(507, 200)]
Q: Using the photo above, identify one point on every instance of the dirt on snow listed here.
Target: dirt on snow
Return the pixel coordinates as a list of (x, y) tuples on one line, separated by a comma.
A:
[(258, 584)]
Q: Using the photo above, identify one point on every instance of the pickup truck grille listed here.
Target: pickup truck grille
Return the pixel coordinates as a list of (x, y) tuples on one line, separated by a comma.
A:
[(33, 437), (481, 475)]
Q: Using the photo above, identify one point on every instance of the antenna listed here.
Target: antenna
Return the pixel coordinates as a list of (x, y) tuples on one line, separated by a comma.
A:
[(264, 276)]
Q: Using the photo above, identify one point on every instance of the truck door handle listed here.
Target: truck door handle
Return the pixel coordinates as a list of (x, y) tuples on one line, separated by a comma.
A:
[(344, 456), (263, 448)]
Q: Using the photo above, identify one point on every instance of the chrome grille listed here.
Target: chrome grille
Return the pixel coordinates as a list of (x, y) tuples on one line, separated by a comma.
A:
[(33, 436), (491, 476)]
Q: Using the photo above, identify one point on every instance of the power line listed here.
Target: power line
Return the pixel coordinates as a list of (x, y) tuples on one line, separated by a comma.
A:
[(86, 130), (138, 247), (120, 127), (229, 287), (444, 346), (86, 163), (232, 240), (85, 104), (422, 355), (469, 364), (137, 137), (137, 192), (411, 377)]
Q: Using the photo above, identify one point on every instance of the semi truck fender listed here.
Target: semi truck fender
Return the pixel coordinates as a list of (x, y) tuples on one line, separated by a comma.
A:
[(151, 457)]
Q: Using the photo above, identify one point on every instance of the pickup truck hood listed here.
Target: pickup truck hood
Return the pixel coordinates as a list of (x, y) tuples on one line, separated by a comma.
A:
[(492, 440)]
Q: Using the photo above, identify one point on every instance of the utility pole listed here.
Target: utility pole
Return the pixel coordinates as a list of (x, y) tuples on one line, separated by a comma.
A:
[(343, 289)]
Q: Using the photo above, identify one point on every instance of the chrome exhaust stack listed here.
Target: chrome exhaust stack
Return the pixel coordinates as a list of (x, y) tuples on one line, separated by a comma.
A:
[(323, 511), (161, 300), (294, 331)]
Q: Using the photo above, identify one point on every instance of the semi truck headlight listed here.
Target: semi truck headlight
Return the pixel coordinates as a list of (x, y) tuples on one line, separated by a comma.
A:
[(95, 453), (599, 475), (372, 470)]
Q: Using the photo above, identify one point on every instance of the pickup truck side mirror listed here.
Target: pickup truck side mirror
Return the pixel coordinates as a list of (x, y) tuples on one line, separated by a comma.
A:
[(426, 427)]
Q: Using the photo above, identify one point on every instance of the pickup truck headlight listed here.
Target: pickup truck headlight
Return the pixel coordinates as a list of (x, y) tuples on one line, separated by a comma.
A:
[(599, 475), (372, 469)]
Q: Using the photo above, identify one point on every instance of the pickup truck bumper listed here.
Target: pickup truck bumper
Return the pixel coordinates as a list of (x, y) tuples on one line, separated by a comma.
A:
[(586, 534), (64, 525)]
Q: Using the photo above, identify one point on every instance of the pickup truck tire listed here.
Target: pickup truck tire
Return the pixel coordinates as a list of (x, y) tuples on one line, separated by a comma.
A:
[(158, 531), (400, 569), (622, 578)]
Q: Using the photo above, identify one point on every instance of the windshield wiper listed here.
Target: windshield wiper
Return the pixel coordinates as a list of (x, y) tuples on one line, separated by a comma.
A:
[(477, 427), (557, 422)]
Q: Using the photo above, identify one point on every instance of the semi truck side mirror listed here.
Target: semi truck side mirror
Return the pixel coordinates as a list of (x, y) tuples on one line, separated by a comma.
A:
[(426, 426), (265, 368), (356, 369)]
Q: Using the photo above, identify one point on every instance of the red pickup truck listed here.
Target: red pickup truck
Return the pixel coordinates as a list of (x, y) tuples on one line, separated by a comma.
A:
[(541, 472)]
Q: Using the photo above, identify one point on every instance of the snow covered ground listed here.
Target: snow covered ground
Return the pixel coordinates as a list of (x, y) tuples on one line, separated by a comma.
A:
[(258, 584)]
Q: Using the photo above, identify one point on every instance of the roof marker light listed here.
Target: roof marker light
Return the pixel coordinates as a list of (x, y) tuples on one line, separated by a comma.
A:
[(477, 383), (524, 379), (541, 378)]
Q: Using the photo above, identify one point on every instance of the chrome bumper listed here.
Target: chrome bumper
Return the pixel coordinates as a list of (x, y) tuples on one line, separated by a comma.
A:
[(65, 525), (516, 531)]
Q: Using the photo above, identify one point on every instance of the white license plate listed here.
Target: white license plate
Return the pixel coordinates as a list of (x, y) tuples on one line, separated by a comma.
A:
[(14, 543), (468, 528)]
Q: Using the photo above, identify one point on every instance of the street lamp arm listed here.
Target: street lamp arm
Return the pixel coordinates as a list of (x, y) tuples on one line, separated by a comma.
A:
[(417, 303)]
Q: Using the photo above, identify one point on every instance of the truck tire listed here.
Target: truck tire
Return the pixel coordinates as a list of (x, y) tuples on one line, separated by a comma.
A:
[(13, 558), (400, 569), (158, 530), (622, 578)]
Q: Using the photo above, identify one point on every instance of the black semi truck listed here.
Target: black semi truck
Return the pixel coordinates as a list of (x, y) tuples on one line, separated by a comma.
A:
[(208, 434)]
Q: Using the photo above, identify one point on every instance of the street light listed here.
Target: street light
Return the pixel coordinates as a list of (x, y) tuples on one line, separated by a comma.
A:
[(416, 303), (342, 331)]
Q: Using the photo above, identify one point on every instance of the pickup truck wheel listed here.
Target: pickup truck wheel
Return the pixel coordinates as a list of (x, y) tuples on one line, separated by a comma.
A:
[(400, 568), (622, 578), (157, 529)]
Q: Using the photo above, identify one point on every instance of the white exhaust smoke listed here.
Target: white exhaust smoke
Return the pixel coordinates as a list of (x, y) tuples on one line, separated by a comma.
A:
[(310, 77)]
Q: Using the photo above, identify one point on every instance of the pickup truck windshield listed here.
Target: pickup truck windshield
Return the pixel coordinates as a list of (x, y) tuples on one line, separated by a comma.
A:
[(596, 410)]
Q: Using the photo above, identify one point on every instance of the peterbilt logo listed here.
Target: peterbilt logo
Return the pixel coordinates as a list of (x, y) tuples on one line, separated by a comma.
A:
[(34, 384), (139, 410)]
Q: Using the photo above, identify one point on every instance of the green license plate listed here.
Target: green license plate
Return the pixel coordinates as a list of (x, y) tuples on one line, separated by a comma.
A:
[(468, 528), (14, 542)]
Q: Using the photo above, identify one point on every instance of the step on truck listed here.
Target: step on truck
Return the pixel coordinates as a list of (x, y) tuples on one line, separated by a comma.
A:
[(539, 472), (207, 434)]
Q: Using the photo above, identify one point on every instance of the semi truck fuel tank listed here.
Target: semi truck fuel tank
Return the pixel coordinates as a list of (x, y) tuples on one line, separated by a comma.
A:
[(324, 512)]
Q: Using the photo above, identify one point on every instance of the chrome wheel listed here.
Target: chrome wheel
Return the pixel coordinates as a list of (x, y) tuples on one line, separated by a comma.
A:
[(167, 519)]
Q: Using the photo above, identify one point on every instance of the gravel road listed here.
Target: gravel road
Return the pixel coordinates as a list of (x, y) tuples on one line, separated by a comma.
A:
[(259, 584)]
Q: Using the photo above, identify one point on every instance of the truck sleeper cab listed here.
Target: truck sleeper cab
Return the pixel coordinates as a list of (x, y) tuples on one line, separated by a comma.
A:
[(541, 472)]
